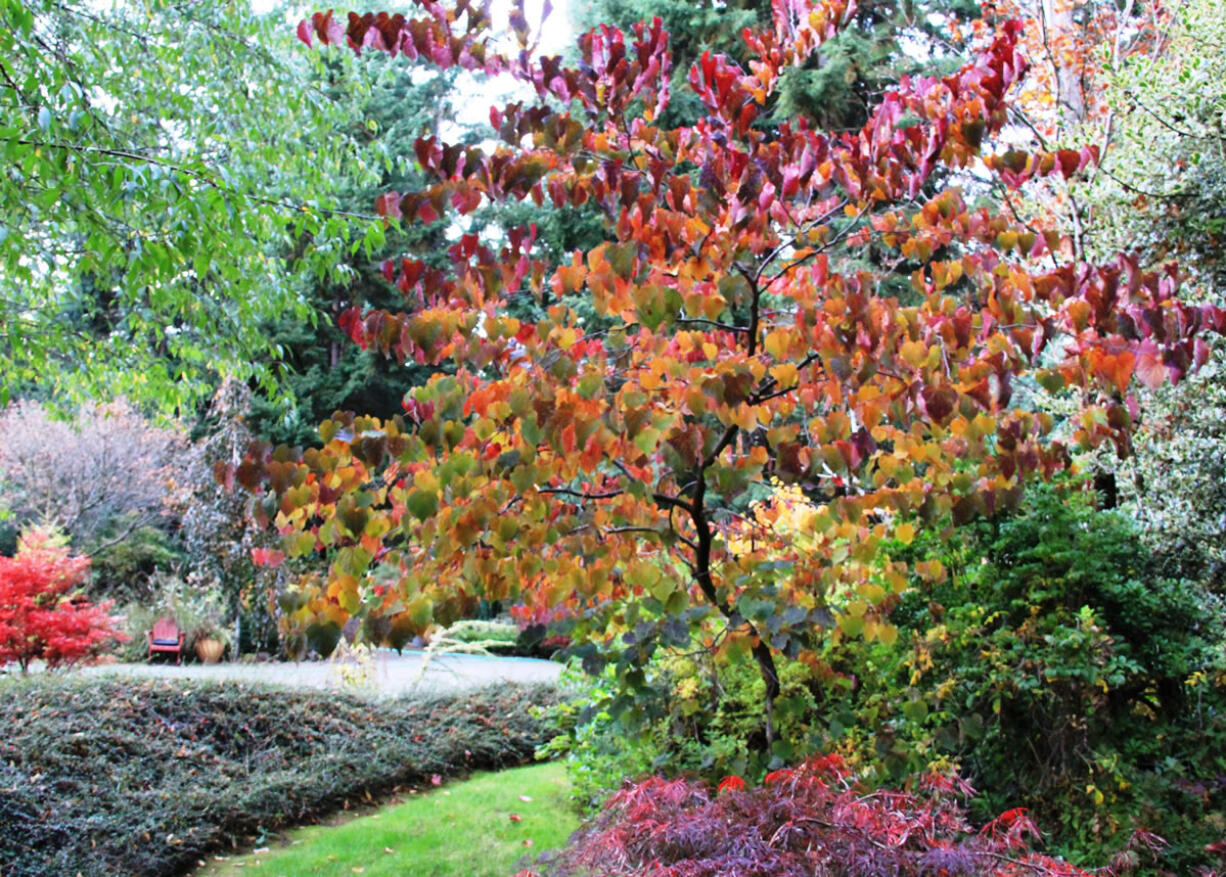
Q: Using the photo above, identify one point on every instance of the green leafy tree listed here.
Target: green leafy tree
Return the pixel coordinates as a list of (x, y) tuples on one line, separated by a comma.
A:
[(159, 159), (391, 106)]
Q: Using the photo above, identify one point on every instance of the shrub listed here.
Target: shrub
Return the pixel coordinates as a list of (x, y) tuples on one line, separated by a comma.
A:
[(698, 714), (811, 820), (1050, 667), (42, 615), (124, 777), (493, 634), (128, 570), (1059, 673), (102, 477), (602, 752)]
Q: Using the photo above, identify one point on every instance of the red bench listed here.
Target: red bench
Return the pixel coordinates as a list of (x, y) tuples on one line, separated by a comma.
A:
[(166, 637)]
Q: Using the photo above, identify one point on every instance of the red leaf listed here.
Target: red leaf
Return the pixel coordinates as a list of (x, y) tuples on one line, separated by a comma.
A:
[(466, 199), (1151, 370), (939, 402), (350, 322), (388, 204), (1070, 162), (267, 557)]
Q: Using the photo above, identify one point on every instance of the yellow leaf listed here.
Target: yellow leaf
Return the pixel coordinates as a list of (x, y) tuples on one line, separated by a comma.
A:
[(914, 352), (784, 374), (905, 533), (776, 343)]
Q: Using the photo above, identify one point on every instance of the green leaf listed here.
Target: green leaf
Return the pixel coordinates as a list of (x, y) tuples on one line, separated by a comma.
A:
[(323, 637), (422, 504)]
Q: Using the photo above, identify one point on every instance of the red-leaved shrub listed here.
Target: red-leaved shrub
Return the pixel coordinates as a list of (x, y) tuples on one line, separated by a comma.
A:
[(42, 615), (811, 821)]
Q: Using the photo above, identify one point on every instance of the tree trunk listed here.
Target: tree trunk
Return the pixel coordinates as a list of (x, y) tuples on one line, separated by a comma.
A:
[(706, 583)]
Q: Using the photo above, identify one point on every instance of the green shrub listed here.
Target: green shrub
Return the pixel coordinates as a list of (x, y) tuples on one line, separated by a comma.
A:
[(126, 777), (699, 715), (1058, 674), (492, 634), (127, 570), (600, 752)]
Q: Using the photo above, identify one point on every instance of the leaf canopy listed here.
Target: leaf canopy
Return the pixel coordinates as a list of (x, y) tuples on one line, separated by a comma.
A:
[(751, 332)]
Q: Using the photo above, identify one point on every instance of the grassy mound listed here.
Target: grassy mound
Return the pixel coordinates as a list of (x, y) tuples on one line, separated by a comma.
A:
[(144, 777)]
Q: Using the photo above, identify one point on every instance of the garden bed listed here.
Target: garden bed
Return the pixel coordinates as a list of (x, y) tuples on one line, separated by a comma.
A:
[(145, 777)]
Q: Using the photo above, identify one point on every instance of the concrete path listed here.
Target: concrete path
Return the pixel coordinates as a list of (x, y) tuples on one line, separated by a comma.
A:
[(385, 674)]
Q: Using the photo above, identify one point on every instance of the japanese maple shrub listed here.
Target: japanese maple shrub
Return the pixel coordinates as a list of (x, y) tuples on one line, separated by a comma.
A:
[(814, 819), (42, 614), (777, 302)]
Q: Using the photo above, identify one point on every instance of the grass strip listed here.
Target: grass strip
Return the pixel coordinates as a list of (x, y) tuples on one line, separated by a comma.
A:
[(481, 827)]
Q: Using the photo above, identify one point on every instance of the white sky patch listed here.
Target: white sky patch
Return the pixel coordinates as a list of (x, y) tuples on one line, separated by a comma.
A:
[(478, 93)]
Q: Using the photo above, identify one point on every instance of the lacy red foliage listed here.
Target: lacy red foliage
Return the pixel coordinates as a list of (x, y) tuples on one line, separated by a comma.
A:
[(810, 820), (41, 616)]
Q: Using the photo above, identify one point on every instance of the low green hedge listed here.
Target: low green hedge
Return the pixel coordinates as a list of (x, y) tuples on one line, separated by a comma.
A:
[(145, 777)]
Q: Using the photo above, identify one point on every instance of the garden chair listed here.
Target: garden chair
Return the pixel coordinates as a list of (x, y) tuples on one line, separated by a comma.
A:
[(166, 637)]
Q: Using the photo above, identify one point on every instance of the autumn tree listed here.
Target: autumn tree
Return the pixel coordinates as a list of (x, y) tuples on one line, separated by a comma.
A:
[(624, 470), (106, 476), (42, 614)]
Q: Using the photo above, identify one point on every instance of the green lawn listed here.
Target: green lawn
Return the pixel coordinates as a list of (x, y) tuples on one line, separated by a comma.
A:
[(463, 830)]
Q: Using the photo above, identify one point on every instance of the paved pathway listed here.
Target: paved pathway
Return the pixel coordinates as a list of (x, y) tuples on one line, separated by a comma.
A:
[(387, 673)]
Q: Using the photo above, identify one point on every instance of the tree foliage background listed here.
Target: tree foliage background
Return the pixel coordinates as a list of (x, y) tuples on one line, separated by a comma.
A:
[(151, 213)]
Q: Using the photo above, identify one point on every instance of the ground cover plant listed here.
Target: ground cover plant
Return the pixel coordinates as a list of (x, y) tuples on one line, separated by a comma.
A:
[(125, 777), (479, 827)]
